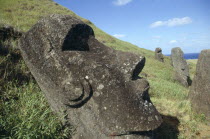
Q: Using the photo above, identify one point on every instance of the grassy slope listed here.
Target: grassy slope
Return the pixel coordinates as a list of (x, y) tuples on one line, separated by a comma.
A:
[(192, 65), (168, 96)]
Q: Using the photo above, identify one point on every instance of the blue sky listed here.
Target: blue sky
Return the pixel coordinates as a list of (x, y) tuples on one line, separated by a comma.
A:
[(150, 23)]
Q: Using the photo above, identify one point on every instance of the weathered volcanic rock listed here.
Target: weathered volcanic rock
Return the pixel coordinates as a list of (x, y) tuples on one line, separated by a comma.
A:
[(180, 67), (200, 89), (159, 55), (97, 86)]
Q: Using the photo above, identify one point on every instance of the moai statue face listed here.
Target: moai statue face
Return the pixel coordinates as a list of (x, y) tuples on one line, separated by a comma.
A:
[(98, 87), (159, 55), (180, 66)]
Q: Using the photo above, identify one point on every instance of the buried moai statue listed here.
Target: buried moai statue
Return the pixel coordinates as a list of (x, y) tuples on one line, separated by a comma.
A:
[(200, 90), (159, 55), (180, 66), (97, 86)]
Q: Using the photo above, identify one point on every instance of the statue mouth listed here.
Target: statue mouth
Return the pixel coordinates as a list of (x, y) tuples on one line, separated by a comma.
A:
[(132, 133)]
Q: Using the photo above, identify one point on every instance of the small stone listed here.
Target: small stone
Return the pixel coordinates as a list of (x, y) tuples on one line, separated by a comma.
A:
[(101, 86), (156, 117), (86, 77), (96, 94), (150, 119)]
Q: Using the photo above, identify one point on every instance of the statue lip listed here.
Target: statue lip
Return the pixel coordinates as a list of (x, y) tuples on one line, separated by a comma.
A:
[(131, 133)]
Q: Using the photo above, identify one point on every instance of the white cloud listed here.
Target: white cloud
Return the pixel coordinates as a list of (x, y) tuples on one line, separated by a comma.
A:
[(172, 22), (119, 35), (173, 41), (121, 2), (157, 24)]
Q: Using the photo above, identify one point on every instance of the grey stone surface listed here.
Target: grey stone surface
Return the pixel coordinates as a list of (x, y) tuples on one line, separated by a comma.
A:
[(180, 66), (97, 86), (159, 55), (200, 89)]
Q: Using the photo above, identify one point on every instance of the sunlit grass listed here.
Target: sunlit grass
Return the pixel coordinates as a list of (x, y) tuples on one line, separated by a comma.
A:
[(192, 66), (24, 112)]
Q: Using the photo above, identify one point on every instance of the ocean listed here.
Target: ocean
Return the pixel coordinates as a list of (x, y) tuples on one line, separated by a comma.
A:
[(190, 55)]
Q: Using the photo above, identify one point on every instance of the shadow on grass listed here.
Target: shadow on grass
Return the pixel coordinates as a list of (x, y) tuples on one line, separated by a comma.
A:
[(168, 129), (13, 72)]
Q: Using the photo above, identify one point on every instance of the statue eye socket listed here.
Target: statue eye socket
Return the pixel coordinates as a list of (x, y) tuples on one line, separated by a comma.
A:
[(77, 38)]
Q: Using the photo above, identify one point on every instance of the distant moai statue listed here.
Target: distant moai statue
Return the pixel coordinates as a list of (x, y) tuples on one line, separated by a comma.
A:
[(159, 55), (200, 90), (180, 66)]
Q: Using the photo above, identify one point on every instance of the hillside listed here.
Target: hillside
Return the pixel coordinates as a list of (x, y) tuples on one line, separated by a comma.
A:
[(34, 119)]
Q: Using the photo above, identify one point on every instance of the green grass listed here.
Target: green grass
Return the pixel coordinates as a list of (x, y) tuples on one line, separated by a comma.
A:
[(192, 66), (34, 117), (22, 14), (194, 61), (24, 112)]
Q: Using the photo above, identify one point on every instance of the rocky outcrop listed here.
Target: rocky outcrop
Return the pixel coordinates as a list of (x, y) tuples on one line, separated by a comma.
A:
[(159, 55), (98, 87), (180, 66), (200, 89)]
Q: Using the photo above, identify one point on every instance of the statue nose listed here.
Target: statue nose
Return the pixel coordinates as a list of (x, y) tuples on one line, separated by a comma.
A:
[(141, 89)]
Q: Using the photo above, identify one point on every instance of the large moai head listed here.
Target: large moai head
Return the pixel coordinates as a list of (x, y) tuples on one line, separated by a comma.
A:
[(180, 66), (97, 86), (200, 90)]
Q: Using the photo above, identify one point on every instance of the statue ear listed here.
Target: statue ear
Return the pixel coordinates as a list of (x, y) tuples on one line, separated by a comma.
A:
[(86, 94), (77, 38)]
